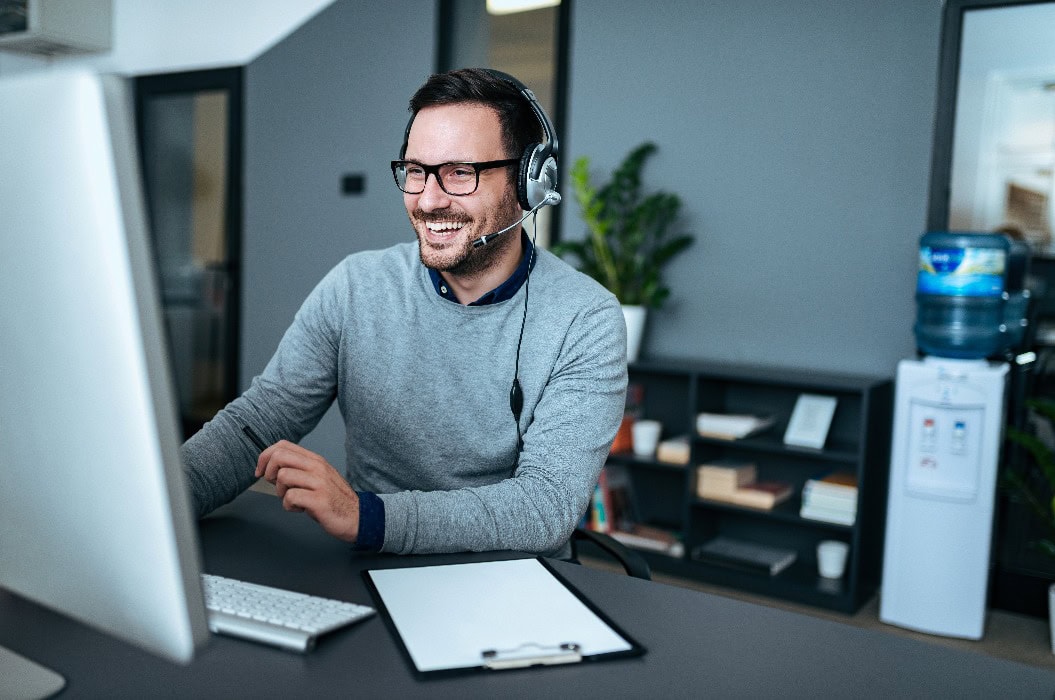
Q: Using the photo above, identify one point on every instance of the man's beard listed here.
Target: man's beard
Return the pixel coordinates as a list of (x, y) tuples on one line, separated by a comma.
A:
[(460, 258)]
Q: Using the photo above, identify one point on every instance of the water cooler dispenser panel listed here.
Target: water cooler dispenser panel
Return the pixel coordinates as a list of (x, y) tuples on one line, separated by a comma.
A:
[(948, 417), (944, 451)]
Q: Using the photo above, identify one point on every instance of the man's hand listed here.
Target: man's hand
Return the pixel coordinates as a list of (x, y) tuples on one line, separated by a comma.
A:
[(307, 483)]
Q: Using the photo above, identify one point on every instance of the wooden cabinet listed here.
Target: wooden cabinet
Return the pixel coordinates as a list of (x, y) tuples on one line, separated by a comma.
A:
[(858, 441)]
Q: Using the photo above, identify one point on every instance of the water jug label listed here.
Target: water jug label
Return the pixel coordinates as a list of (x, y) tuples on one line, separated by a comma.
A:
[(976, 272)]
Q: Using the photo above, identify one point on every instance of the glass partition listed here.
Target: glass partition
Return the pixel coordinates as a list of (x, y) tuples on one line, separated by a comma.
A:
[(995, 135), (190, 131)]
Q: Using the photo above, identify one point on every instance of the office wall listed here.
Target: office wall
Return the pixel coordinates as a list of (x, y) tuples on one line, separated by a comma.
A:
[(330, 99), (799, 136)]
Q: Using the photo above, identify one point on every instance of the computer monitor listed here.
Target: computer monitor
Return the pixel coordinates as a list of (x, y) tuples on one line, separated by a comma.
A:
[(95, 517)]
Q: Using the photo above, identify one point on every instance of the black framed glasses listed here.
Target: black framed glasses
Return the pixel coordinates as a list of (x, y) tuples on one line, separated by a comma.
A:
[(457, 179)]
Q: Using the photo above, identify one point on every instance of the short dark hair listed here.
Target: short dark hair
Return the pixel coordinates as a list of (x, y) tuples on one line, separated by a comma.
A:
[(520, 125)]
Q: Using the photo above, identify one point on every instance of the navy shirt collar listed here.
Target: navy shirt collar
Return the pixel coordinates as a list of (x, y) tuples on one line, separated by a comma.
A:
[(506, 290)]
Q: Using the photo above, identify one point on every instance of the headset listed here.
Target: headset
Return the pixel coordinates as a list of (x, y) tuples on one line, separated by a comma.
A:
[(537, 174)]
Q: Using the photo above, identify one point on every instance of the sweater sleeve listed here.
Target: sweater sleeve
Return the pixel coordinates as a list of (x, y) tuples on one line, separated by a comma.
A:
[(286, 401), (570, 428)]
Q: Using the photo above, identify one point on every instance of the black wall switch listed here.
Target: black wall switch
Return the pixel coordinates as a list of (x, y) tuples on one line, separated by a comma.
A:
[(353, 183)]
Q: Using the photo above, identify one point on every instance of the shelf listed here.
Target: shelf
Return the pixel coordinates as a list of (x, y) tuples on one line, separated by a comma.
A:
[(799, 581), (633, 460), (785, 512), (772, 445), (675, 392)]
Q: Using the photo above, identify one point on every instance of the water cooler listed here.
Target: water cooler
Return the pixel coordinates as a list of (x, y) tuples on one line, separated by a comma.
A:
[(949, 414)]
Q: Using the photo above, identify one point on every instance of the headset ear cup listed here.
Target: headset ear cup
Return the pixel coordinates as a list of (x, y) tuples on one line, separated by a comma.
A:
[(542, 181), (525, 175), (538, 177)]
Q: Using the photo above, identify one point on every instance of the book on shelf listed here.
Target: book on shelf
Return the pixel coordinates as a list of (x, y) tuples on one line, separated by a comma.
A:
[(722, 477), (601, 505), (651, 538), (611, 505), (828, 515), (746, 555), (763, 494), (830, 498), (835, 482), (737, 482), (621, 506), (675, 450), (731, 426)]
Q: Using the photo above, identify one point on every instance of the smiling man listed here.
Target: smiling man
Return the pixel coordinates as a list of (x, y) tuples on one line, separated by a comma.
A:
[(480, 379)]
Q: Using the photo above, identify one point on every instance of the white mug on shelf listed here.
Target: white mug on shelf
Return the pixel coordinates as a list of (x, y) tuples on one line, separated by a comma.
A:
[(831, 558), (646, 437)]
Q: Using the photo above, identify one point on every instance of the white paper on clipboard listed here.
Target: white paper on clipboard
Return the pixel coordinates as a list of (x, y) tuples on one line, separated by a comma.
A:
[(458, 616)]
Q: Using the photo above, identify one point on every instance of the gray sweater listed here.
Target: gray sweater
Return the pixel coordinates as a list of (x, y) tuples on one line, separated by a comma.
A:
[(423, 387)]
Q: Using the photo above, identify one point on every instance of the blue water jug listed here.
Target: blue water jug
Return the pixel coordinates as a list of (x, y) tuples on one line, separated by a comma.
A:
[(961, 296)]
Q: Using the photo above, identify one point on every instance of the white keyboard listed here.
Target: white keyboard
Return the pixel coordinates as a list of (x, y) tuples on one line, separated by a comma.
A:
[(274, 616)]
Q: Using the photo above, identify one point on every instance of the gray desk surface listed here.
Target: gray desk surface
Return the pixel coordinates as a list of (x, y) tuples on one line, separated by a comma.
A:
[(698, 644)]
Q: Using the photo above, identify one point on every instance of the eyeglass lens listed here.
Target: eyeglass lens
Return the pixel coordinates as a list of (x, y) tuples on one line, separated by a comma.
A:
[(453, 178)]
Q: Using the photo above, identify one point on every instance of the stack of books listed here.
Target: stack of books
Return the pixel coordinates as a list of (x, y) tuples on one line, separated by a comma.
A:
[(729, 426), (736, 482), (831, 498), (720, 479)]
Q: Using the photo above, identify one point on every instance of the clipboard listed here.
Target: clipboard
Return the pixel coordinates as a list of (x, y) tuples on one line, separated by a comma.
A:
[(493, 615)]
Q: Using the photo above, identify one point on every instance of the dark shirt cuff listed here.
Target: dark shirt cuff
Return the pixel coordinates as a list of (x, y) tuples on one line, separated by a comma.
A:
[(371, 522)]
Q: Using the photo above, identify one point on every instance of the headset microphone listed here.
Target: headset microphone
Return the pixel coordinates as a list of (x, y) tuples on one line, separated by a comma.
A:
[(551, 198)]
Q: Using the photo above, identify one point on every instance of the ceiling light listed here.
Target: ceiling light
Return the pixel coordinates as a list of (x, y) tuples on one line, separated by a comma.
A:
[(508, 7)]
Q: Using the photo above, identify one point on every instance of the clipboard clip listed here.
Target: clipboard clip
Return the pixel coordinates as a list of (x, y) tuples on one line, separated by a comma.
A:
[(531, 654)]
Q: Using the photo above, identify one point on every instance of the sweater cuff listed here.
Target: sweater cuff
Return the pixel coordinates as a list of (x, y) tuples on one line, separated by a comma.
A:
[(371, 522)]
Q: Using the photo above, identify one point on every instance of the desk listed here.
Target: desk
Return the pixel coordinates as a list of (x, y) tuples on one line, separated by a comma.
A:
[(698, 644)]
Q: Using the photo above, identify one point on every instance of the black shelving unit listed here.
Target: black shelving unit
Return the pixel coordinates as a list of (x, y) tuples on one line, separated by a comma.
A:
[(664, 495)]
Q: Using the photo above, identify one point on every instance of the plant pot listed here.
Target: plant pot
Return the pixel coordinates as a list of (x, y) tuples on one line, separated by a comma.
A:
[(1051, 615), (635, 329)]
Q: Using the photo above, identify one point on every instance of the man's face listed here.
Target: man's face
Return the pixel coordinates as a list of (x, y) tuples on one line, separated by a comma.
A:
[(447, 225)]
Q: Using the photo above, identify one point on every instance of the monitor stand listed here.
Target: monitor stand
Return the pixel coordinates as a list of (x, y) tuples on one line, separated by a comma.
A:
[(25, 679)]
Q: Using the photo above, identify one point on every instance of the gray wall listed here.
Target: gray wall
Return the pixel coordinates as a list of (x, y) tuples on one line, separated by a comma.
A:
[(329, 99), (799, 136)]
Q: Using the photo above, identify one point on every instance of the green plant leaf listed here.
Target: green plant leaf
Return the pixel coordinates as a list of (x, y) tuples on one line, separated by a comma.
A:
[(1029, 474), (626, 245), (1045, 407), (1016, 484), (1042, 454)]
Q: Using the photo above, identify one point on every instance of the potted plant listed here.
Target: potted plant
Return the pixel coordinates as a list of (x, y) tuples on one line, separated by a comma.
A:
[(1030, 479), (628, 240)]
